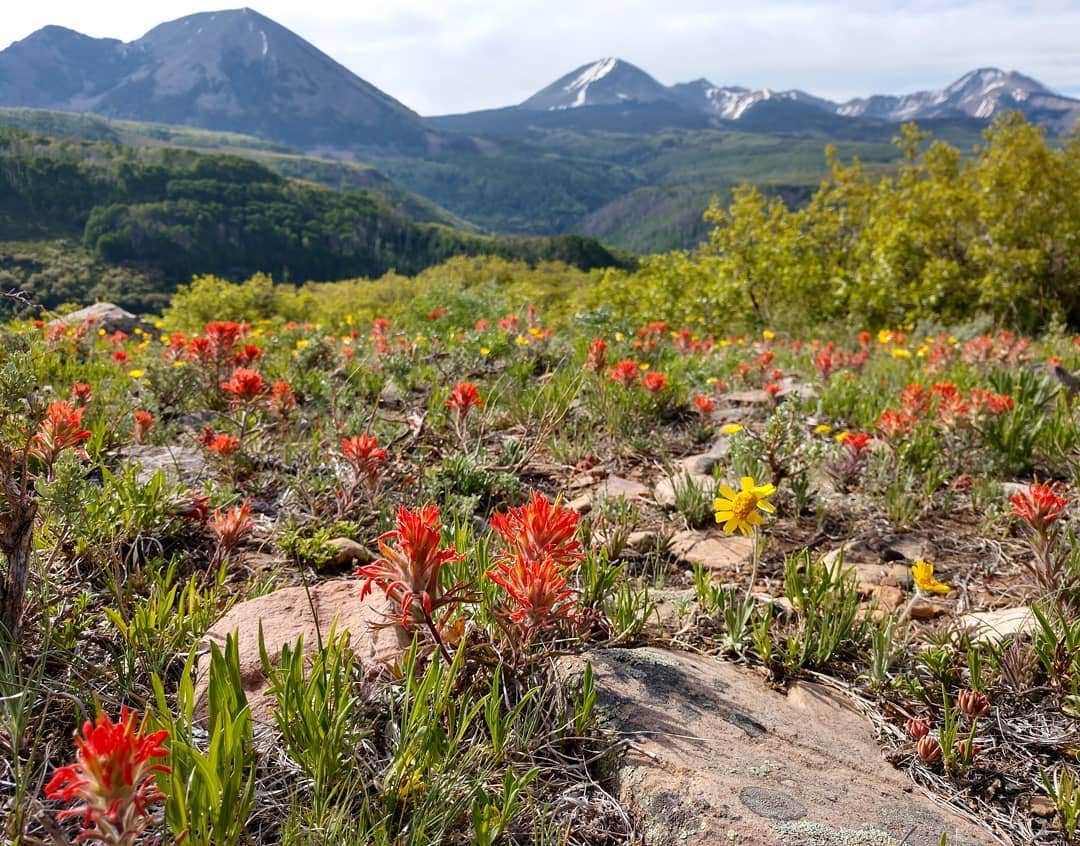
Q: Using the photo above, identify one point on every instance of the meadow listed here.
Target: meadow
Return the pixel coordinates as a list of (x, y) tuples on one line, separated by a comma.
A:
[(495, 484)]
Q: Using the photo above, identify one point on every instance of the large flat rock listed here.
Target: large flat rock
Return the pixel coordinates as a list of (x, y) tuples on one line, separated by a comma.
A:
[(719, 757), (286, 614)]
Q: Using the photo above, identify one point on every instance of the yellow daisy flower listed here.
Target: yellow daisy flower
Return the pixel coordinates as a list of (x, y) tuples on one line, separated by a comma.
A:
[(823, 429), (737, 511), (731, 428), (922, 572)]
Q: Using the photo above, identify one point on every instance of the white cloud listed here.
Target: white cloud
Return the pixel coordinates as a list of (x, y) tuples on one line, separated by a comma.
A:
[(457, 55)]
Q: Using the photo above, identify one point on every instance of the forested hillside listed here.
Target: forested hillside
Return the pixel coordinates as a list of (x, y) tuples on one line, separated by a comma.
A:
[(166, 214)]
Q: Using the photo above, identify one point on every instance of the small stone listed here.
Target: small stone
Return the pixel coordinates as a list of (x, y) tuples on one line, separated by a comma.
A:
[(999, 625), (180, 464), (665, 495), (926, 609), (641, 540), (715, 551), (581, 504), (347, 550), (616, 486), (1042, 806)]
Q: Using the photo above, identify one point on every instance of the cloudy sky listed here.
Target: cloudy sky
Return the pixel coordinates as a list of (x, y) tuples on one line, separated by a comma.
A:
[(440, 56)]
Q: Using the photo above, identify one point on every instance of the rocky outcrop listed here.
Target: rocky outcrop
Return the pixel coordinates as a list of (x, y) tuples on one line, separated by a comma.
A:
[(717, 756)]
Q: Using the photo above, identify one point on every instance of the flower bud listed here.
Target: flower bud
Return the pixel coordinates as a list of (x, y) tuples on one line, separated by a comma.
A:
[(973, 704), (929, 750), (918, 728)]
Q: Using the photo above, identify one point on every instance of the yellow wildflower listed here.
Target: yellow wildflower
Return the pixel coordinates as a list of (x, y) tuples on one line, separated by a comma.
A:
[(768, 334), (922, 572), (159, 324), (731, 428), (484, 351), (521, 340), (822, 429), (884, 336), (900, 352), (643, 366), (135, 374), (738, 511), (619, 336)]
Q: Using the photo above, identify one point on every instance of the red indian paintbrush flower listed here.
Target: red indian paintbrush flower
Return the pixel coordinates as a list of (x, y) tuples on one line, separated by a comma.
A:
[(230, 528), (364, 456), (539, 592), (705, 405), (281, 400), (81, 393), (1039, 506), (61, 429), (245, 385), (464, 398), (144, 422), (597, 355), (625, 372), (409, 570), (539, 530), (113, 777), (220, 442), (655, 383), (856, 442)]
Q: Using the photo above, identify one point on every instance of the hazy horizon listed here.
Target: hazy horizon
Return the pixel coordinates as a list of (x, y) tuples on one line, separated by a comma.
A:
[(478, 57)]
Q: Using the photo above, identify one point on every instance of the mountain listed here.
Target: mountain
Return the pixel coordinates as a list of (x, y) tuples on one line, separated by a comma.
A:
[(981, 94), (604, 83), (234, 70), (614, 94), (731, 103)]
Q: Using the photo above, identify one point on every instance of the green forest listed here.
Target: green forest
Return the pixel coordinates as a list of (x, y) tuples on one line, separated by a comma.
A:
[(165, 215)]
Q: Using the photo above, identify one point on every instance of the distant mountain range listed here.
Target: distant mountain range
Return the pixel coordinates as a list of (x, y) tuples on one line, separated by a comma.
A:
[(980, 94), (240, 71)]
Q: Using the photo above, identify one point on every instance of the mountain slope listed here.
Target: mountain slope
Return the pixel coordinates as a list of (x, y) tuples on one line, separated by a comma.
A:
[(234, 70)]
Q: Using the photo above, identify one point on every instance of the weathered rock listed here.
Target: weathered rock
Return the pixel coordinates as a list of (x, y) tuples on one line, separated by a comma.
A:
[(664, 492), (750, 397), (927, 609), (346, 550), (703, 463), (181, 464), (641, 540), (615, 486), (713, 549), (105, 316), (719, 757), (999, 625), (581, 504), (286, 615)]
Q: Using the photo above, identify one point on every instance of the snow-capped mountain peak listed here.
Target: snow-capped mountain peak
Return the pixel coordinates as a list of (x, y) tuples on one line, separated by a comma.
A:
[(609, 81)]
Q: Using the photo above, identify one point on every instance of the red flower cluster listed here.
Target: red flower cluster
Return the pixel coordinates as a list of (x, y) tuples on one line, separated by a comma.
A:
[(61, 429), (230, 527), (655, 383), (537, 551), (464, 398), (856, 442), (363, 454), (943, 404), (1039, 506), (625, 372), (245, 385), (144, 422), (220, 442), (408, 572), (281, 400), (705, 405), (113, 778), (597, 355)]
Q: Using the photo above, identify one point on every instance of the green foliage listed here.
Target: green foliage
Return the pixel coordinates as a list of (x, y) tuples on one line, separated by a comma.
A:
[(946, 237), (209, 794), (830, 620)]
